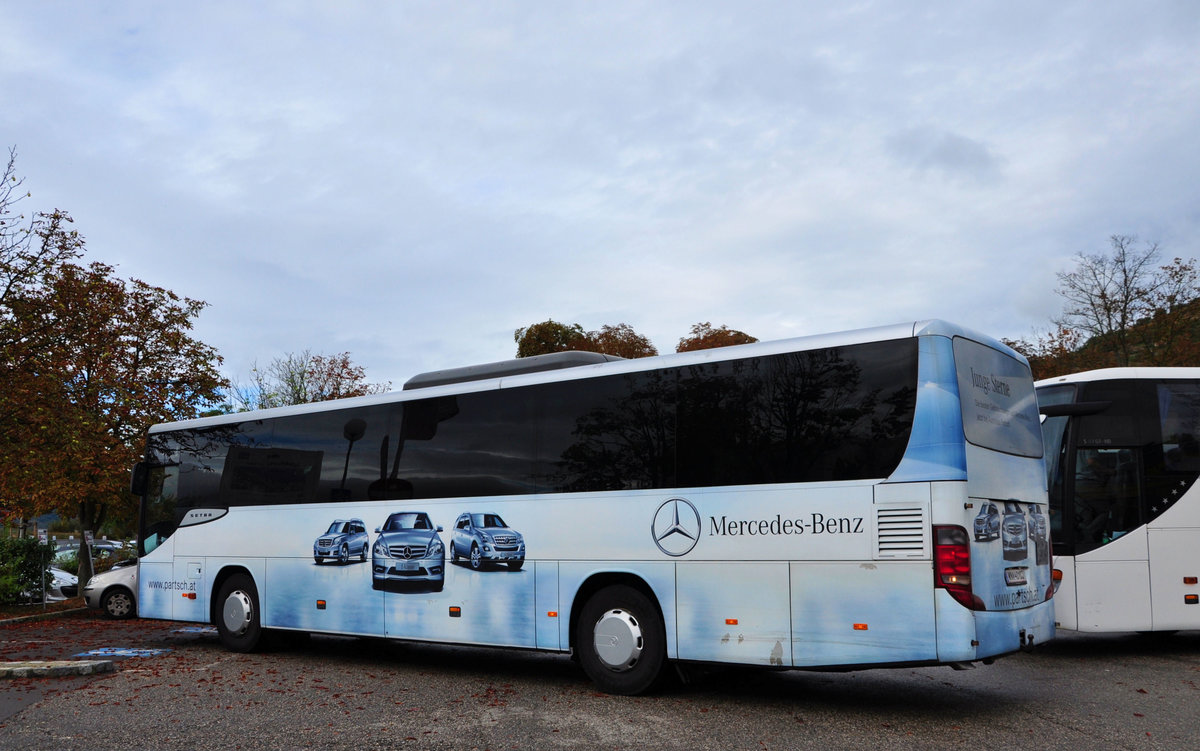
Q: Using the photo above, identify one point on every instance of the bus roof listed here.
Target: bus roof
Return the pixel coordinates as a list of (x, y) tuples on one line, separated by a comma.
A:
[(1114, 374), (492, 376)]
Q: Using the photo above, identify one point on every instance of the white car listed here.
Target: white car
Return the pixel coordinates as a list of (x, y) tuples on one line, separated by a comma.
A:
[(114, 591), (61, 585)]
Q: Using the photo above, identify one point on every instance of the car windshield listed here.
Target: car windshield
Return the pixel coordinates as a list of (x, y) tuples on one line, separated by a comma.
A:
[(397, 522), (487, 520), (1011, 508), (338, 528)]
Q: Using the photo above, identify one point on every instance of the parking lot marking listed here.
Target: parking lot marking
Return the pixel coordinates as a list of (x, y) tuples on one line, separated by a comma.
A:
[(196, 630), (122, 652)]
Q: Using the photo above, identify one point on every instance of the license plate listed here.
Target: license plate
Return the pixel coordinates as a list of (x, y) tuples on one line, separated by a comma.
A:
[(409, 566), (1015, 577)]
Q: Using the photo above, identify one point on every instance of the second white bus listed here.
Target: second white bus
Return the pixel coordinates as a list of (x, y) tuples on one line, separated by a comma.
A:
[(1122, 456)]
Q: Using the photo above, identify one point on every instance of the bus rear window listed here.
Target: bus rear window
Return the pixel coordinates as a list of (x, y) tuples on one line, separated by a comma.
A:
[(999, 408)]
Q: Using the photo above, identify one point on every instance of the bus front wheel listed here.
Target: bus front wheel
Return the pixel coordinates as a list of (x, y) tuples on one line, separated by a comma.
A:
[(238, 621), (621, 642)]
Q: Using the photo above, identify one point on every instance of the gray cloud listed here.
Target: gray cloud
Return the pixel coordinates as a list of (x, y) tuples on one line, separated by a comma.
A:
[(413, 182)]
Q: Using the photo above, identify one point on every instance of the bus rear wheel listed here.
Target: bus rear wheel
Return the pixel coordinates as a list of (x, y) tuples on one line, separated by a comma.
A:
[(238, 622), (621, 641)]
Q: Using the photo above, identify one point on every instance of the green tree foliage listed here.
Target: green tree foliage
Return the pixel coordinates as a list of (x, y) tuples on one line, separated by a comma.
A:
[(704, 336), (88, 361), (23, 564)]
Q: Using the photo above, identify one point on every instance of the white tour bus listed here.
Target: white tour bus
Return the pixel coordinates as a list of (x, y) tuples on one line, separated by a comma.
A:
[(832, 501), (1122, 457)]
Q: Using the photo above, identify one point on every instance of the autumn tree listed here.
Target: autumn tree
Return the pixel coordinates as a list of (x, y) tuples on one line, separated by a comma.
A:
[(620, 340), (1057, 352), (1120, 309), (1122, 299), (31, 247), (704, 336), (88, 361), (302, 378), (551, 336)]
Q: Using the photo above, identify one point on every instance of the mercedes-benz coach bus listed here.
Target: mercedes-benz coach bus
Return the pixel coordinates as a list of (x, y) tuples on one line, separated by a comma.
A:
[(1123, 454), (855, 500)]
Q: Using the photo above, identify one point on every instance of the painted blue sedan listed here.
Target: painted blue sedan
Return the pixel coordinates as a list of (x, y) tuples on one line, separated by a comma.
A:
[(408, 550)]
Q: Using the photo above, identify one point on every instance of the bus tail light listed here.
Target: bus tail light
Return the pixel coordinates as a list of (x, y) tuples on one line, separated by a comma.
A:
[(952, 565)]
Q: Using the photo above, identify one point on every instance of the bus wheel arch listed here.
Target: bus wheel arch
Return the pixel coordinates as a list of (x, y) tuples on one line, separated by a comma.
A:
[(622, 612), (236, 610)]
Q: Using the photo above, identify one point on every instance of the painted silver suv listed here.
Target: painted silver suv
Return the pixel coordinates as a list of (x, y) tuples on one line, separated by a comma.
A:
[(484, 539), (408, 549), (1014, 532), (987, 523), (344, 538)]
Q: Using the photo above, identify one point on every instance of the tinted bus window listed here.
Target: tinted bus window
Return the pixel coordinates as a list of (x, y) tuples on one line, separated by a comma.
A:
[(832, 414), (613, 433), (469, 445), (999, 408)]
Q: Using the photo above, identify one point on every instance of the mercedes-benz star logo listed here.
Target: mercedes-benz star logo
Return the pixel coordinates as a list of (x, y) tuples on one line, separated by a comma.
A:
[(676, 527)]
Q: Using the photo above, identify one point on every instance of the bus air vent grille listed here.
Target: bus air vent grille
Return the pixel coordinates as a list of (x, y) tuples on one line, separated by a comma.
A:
[(901, 532)]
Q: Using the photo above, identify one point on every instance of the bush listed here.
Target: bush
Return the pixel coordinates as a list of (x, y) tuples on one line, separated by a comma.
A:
[(23, 563), (10, 589), (69, 563)]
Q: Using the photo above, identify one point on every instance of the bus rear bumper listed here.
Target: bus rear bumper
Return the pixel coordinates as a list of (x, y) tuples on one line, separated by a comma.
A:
[(1004, 632), (968, 635)]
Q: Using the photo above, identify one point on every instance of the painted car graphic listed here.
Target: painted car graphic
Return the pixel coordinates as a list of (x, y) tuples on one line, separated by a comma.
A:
[(408, 549), (1039, 533), (485, 539), (987, 523), (343, 539), (1014, 532)]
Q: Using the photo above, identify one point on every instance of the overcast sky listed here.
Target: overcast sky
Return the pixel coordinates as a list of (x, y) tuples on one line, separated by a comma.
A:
[(411, 182)]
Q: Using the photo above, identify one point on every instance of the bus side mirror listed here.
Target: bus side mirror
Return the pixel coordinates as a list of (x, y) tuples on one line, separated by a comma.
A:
[(139, 478)]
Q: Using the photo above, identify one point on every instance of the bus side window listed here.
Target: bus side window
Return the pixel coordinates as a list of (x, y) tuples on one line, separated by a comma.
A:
[(1106, 495)]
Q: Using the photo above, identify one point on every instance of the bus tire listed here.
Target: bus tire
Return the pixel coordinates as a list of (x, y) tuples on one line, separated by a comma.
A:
[(632, 647), (238, 622)]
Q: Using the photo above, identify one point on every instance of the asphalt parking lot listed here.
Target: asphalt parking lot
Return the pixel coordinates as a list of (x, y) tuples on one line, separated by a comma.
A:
[(174, 686)]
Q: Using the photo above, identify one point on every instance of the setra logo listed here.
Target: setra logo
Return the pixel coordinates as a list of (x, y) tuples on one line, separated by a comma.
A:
[(676, 527)]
